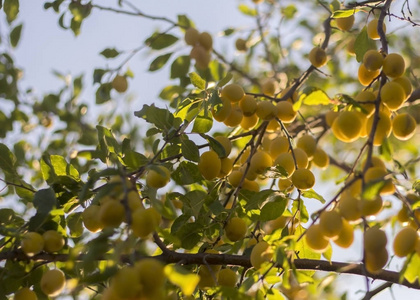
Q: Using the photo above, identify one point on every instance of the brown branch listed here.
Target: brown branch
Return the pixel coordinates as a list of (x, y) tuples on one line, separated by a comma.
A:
[(225, 259)]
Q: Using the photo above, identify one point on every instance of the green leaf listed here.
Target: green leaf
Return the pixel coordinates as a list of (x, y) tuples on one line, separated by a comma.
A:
[(110, 53), (343, 13), (184, 22), (197, 81), (416, 186), (225, 80), (246, 10), (15, 35), (203, 122), (171, 91), (193, 202), (160, 41), (55, 166), (304, 251), (103, 93), (189, 235), (75, 224), (289, 11), (97, 75), (311, 194), (45, 201), (182, 278), (273, 210), (186, 173), (11, 8), (107, 141), (161, 118), (362, 44), (7, 161), (371, 189), (314, 96), (159, 62), (180, 66), (411, 270), (215, 145), (190, 150), (301, 207)]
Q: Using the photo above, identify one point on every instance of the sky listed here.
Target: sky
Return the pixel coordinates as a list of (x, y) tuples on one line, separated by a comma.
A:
[(45, 47)]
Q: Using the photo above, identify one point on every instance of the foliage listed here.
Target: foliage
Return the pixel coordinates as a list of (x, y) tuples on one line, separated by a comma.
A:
[(144, 213)]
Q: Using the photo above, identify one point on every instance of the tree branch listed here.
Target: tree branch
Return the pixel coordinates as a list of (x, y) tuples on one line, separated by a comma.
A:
[(225, 259)]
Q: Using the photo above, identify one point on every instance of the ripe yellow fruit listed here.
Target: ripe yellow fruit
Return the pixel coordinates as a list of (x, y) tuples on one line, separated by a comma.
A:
[(347, 126), (371, 207), (279, 145), (383, 128), (301, 158), (330, 116), (349, 207), (269, 86), (321, 158), (350, 46), (191, 36), (366, 96), (158, 177), (365, 76), (405, 83), (111, 213), (372, 29), (251, 185), (201, 55), (373, 60), (126, 283), (315, 238), (248, 105), (273, 126), (227, 277), (134, 201), (119, 184), (261, 253), (303, 179), (405, 241), (403, 215), (25, 294), (120, 84), (330, 223), (235, 229), (241, 45), (375, 161), (90, 217), (208, 277), (285, 185), (260, 161), (392, 95), (394, 65), (286, 113), (205, 40), (233, 92), (209, 165), (32, 243), (374, 240), (250, 122), (144, 222), (53, 282), (226, 143), (266, 110), (346, 236), (221, 111), (152, 276), (291, 99), (235, 117), (286, 161), (317, 57), (375, 261), (376, 174), (275, 224), (308, 144), (403, 126), (226, 168), (53, 241), (346, 23)]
